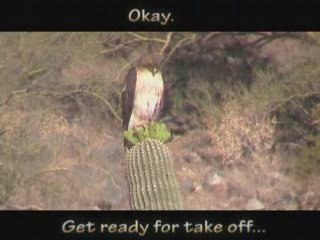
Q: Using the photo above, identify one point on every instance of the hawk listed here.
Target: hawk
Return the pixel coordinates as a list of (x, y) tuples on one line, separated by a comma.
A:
[(142, 96)]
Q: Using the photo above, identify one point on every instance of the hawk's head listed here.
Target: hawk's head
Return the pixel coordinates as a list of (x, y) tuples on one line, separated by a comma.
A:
[(152, 62)]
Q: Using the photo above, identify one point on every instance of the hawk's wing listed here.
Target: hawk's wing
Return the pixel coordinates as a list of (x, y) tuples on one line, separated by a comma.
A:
[(128, 97), (159, 106)]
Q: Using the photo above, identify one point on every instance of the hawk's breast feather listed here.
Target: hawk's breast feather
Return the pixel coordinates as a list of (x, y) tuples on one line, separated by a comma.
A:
[(147, 97)]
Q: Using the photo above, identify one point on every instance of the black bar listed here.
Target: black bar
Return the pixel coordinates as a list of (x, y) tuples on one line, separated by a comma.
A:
[(201, 15), (271, 225)]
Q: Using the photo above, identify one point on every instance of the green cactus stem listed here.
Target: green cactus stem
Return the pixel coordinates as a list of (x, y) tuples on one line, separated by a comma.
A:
[(152, 181)]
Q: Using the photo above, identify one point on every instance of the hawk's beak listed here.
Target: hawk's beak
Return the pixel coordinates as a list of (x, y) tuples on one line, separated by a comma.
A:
[(154, 71)]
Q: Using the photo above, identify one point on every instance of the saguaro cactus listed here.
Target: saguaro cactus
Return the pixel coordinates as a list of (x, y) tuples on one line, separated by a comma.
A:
[(152, 181)]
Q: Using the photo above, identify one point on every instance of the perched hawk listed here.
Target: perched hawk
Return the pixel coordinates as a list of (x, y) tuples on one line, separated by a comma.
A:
[(143, 93)]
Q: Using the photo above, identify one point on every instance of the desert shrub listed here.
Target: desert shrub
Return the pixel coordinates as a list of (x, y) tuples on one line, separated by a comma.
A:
[(307, 163), (242, 134)]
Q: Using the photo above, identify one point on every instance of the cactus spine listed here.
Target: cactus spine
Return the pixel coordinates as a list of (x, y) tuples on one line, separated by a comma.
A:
[(152, 181)]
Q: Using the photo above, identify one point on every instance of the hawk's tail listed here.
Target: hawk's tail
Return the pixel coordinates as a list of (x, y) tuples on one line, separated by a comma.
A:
[(126, 144)]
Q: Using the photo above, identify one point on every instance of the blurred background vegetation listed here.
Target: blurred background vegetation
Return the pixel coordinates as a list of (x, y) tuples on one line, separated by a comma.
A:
[(244, 109)]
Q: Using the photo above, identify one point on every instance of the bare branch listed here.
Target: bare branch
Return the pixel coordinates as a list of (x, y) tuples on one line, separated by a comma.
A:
[(118, 47), (63, 169), (292, 98), (179, 44), (137, 38), (143, 38), (210, 35), (165, 46), (43, 93)]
